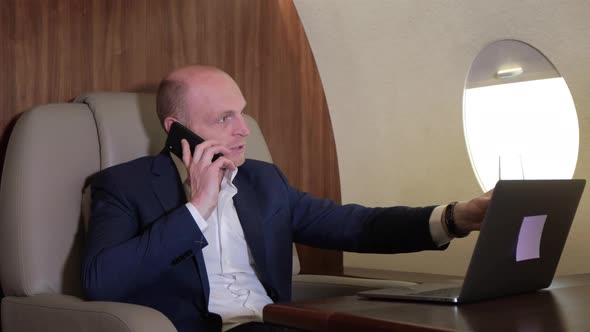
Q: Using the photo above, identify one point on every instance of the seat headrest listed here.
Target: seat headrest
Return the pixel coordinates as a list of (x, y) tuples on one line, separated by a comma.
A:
[(128, 128)]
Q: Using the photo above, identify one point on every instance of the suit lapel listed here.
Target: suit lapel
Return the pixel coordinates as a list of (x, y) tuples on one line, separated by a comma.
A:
[(169, 191), (166, 183), (249, 215)]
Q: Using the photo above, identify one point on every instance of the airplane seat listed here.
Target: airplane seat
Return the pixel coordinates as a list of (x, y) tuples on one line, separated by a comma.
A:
[(44, 206), (53, 150)]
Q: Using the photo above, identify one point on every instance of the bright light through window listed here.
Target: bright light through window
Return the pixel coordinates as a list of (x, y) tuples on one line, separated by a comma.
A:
[(525, 130)]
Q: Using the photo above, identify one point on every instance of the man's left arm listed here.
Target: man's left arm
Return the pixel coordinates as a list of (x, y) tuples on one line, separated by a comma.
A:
[(352, 227)]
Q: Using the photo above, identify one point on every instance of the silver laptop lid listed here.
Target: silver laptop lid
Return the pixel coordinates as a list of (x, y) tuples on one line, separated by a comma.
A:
[(522, 237)]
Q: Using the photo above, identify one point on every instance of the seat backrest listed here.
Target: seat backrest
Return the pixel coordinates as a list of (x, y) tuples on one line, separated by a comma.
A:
[(52, 151)]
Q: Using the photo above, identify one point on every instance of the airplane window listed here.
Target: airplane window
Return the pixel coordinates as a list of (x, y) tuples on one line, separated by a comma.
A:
[(519, 117)]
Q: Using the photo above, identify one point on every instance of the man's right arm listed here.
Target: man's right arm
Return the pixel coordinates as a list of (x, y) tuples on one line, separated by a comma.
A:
[(121, 257)]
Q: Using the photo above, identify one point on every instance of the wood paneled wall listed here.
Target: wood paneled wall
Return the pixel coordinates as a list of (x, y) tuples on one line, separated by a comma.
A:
[(54, 50)]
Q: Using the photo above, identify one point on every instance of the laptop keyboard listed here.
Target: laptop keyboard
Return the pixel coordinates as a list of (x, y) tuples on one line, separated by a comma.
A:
[(443, 292)]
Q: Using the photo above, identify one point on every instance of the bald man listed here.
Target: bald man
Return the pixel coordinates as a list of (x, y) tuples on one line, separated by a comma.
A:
[(209, 243)]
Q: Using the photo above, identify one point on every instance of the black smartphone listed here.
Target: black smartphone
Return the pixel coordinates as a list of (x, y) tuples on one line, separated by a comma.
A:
[(177, 133)]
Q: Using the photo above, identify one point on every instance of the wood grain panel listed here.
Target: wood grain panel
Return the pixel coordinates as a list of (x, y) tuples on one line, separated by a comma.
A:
[(7, 90), (53, 50)]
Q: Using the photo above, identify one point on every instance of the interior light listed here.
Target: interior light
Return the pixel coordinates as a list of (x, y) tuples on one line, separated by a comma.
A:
[(510, 72)]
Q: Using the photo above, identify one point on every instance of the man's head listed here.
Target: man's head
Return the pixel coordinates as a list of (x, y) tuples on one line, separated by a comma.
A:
[(207, 101)]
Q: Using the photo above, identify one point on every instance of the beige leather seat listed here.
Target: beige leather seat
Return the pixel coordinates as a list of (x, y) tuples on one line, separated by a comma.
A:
[(52, 151)]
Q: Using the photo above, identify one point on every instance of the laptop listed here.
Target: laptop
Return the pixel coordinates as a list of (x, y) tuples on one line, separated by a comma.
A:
[(518, 248)]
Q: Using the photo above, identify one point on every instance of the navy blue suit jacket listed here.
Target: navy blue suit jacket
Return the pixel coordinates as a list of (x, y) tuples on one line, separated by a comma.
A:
[(144, 247)]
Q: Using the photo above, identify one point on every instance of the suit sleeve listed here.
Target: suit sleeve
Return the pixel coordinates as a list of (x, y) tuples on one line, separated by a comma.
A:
[(355, 228), (120, 258)]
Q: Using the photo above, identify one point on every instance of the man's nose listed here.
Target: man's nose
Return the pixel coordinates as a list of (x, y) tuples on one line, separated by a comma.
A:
[(243, 129)]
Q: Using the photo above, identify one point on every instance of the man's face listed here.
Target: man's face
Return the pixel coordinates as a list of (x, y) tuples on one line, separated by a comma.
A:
[(214, 111)]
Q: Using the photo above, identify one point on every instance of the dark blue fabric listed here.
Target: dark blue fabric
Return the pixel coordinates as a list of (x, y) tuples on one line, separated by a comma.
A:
[(144, 247)]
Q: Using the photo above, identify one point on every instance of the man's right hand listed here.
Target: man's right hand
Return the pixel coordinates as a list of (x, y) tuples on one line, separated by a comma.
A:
[(205, 176)]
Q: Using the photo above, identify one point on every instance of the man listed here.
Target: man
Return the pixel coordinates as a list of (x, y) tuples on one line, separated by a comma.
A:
[(209, 243)]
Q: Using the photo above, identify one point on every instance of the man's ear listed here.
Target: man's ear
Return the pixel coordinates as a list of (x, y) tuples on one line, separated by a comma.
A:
[(168, 123)]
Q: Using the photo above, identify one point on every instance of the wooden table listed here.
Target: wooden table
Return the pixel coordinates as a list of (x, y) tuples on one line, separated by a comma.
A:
[(565, 306)]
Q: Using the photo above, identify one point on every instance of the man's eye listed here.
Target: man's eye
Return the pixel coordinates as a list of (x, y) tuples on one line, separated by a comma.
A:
[(224, 118)]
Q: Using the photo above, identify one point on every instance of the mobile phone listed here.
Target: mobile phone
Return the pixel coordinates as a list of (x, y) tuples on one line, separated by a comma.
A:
[(177, 133)]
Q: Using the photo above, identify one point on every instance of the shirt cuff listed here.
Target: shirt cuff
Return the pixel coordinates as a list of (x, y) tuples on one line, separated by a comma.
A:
[(438, 233), (199, 220)]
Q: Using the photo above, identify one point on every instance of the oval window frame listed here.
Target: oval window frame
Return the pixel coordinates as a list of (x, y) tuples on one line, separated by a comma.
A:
[(508, 65)]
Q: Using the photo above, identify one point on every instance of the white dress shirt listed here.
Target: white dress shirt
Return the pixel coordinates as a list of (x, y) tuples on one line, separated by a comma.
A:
[(236, 293)]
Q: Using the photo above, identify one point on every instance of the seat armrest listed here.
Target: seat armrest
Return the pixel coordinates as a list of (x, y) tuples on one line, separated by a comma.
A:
[(69, 313)]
